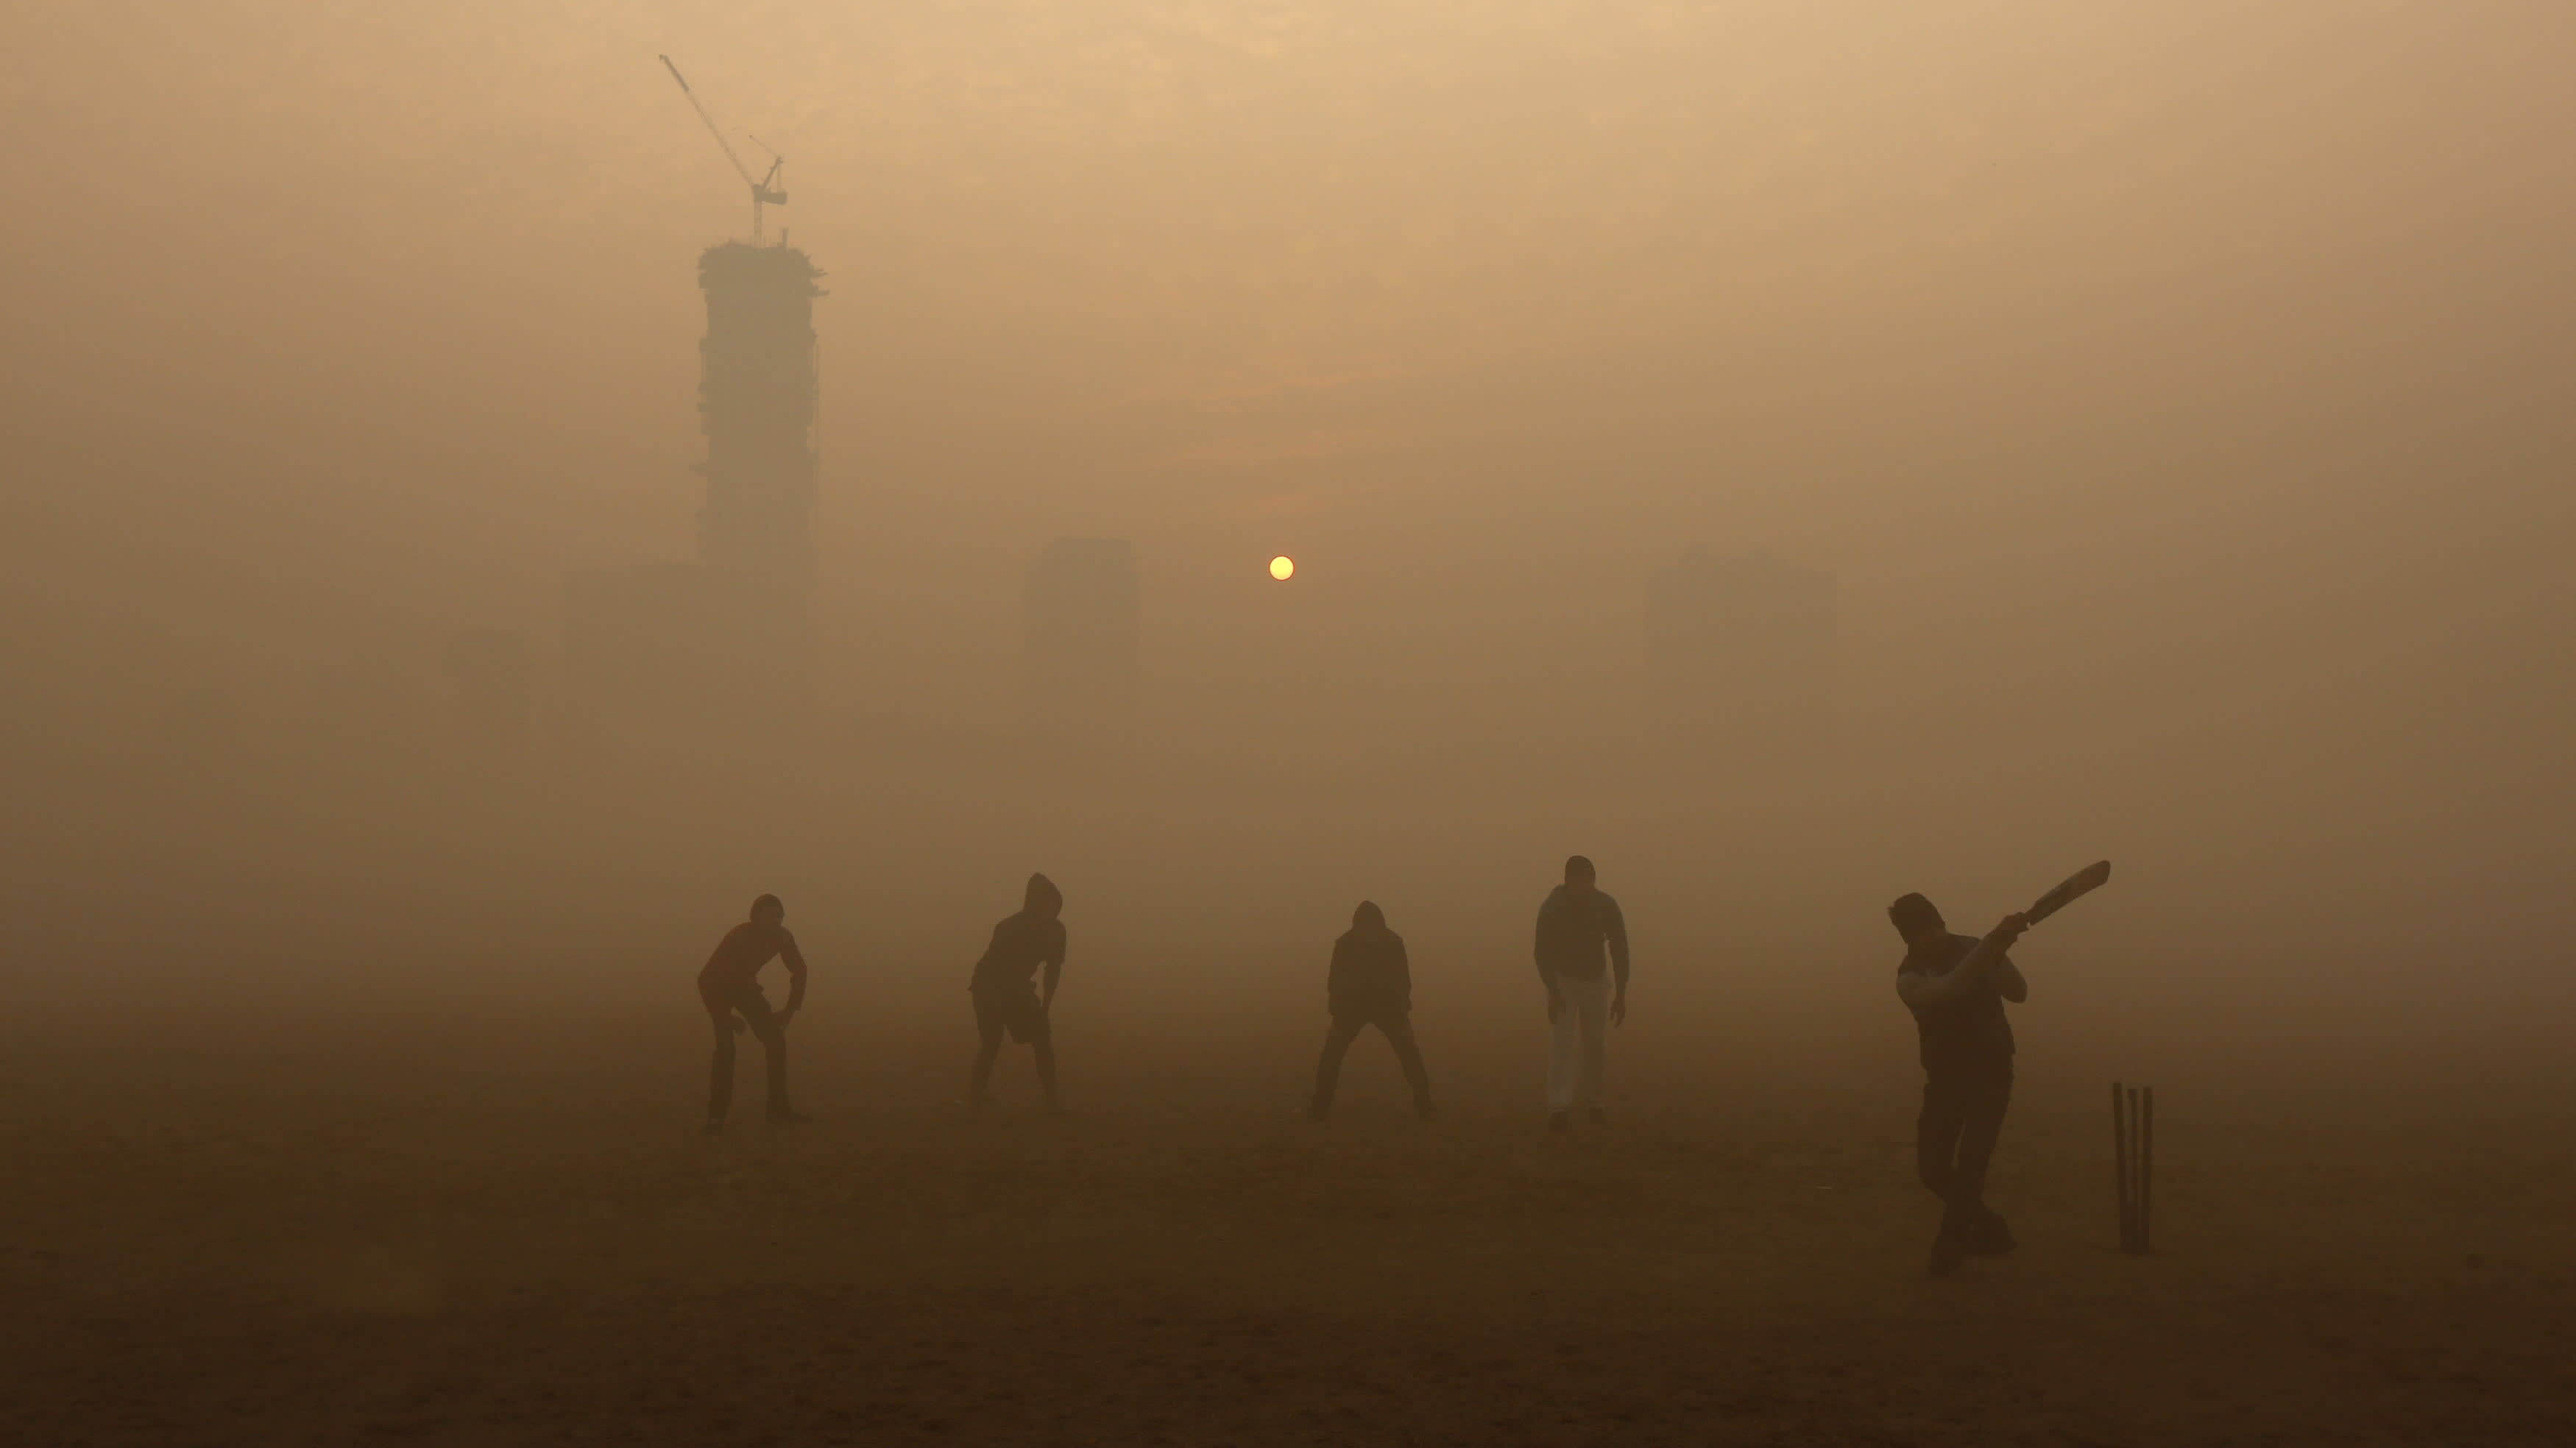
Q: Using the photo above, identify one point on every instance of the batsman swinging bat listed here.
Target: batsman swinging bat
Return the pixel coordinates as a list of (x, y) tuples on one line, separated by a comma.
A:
[(2069, 890)]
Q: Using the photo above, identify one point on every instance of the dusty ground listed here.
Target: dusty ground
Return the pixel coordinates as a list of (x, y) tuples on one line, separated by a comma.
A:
[(498, 1236)]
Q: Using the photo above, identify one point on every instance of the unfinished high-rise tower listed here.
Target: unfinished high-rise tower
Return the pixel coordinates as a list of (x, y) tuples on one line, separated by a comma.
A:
[(756, 395), (756, 399), (677, 638)]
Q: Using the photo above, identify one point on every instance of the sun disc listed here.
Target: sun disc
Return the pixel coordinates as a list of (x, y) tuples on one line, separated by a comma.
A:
[(1283, 567)]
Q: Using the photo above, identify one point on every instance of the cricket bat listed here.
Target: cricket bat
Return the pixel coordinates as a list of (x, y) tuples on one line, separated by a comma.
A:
[(2069, 890)]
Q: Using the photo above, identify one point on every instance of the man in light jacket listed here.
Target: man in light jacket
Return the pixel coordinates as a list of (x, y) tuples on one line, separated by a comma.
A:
[(1582, 953)]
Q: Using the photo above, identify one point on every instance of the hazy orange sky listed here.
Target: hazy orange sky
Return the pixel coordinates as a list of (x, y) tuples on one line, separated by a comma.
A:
[(2179, 383), (1248, 269)]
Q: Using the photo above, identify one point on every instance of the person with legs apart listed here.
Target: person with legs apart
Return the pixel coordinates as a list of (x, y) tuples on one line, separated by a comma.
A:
[(1370, 984), (1008, 998)]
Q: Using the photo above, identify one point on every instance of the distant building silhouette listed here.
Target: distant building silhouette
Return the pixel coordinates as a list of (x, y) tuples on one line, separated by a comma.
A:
[(682, 638), (1740, 654), (1082, 612), (756, 400)]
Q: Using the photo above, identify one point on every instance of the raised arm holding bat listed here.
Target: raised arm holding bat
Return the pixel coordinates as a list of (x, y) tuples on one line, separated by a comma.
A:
[(1986, 966)]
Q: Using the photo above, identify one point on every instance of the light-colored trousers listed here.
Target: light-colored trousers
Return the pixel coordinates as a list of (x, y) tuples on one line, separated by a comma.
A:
[(1582, 1047)]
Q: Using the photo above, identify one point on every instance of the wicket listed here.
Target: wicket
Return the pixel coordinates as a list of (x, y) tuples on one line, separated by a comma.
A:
[(2133, 1163)]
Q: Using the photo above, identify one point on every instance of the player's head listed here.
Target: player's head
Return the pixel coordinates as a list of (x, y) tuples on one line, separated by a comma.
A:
[(1043, 899), (1579, 875), (1915, 917), (1368, 917), (768, 912)]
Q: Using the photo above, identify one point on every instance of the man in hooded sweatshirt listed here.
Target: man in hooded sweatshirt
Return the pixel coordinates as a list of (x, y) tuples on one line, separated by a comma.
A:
[(1578, 926), (1008, 999), (1956, 986), (1371, 984), (729, 986)]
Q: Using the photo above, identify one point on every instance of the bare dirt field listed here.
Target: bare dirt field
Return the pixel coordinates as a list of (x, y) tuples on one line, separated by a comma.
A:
[(512, 1233)]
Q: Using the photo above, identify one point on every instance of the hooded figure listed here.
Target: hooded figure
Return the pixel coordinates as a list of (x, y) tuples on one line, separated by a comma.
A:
[(1009, 1000), (1370, 984), (1370, 973)]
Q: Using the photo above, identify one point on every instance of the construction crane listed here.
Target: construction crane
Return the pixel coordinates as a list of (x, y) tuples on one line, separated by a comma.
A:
[(764, 189)]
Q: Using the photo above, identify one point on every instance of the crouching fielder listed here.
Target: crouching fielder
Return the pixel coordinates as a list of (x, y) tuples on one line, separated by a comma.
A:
[(1008, 1001), (729, 987), (1371, 984)]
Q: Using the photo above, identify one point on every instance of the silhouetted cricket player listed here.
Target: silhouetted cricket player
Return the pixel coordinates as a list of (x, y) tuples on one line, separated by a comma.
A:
[(1008, 1000), (729, 985), (1371, 984), (1956, 986), (1577, 926)]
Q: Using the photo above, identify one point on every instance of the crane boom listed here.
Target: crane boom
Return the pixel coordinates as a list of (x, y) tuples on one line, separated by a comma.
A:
[(764, 189)]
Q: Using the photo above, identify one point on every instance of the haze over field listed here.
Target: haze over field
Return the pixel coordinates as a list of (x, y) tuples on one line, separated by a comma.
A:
[(1792, 452), (2179, 391)]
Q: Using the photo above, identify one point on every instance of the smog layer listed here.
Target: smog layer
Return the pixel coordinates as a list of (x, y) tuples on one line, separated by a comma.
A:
[(454, 555)]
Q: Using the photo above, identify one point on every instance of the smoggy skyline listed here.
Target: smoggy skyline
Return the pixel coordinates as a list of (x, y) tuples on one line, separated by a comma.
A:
[(2178, 392)]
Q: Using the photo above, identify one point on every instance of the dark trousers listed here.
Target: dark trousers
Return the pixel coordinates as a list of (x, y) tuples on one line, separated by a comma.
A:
[(1017, 1015), (1398, 1026), (753, 1007), (1954, 1139)]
